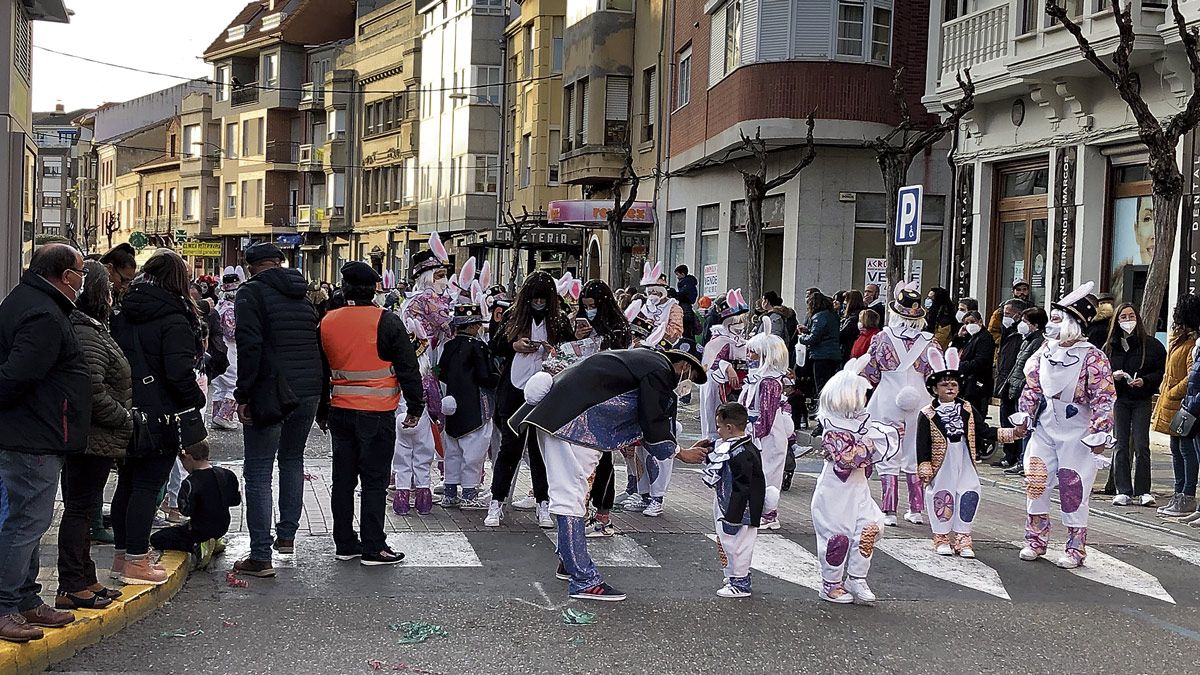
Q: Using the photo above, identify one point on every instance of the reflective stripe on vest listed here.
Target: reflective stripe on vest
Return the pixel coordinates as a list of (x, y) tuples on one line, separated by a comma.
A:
[(361, 380)]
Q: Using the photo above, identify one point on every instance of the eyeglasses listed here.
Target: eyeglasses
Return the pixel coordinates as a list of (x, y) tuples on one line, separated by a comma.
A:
[(81, 273)]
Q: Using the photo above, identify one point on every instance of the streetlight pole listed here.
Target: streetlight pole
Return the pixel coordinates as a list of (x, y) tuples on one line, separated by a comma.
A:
[(501, 156)]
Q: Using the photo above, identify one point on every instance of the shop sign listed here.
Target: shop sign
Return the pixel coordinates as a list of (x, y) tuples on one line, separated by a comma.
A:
[(877, 274), (710, 280), (1189, 268), (595, 211), (964, 221), (1064, 203), (288, 239), (201, 249)]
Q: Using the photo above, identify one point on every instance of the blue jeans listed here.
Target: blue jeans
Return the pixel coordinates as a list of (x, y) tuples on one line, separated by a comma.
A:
[(30, 482), (285, 440), (1185, 460)]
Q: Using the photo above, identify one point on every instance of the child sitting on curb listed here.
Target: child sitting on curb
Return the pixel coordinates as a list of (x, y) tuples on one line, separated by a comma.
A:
[(205, 497)]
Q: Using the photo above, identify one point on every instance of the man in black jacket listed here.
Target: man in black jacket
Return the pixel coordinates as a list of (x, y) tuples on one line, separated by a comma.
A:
[(1006, 360), (279, 384), (687, 292), (45, 408)]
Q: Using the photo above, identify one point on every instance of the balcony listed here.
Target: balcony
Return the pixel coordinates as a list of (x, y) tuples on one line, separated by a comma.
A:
[(312, 158), (283, 152), (312, 96), (972, 40), (309, 216), (591, 164), (244, 95)]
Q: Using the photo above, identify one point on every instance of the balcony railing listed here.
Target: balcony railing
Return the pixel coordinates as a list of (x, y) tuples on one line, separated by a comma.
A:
[(312, 158), (244, 95), (974, 39), (309, 216), (282, 152), (312, 95)]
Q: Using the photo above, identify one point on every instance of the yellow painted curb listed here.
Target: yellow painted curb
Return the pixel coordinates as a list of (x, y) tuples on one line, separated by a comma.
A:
[(92, 625)]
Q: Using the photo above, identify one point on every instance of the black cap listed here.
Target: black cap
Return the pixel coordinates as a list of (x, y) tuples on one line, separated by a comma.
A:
[(360, 274), (260, 251)]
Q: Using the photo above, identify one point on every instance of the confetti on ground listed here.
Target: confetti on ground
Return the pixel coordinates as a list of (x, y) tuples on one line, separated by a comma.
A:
[(417, 631), (181, 633), (230, 624), (575, 642), (310, 477), (376, 664), (232, 579), (577, 617)]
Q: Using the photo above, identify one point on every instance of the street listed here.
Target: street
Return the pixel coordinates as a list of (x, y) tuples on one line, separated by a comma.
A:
[(1135, 606)]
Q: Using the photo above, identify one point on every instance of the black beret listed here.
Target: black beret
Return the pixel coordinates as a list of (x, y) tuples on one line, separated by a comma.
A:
[(360, 274), (261, 251)]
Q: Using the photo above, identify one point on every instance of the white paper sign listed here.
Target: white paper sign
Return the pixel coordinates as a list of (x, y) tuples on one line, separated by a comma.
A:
[(710, 280)]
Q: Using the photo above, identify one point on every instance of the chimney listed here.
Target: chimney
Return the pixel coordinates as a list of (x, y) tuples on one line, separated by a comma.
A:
[(58, 108)]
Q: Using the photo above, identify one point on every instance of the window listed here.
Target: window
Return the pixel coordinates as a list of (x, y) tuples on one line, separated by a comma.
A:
[(191, 204), (247, 146), (51, 169), (51, 201), (487, 83), (881, 35), (569, 117), (173, 201), (618, 5), (556, 45), (725, 41), (149, 205), (487, 173), (552, 155), (683, 87), (581, 113), (271, 69), (528, 55), (524, 161), (616, 109), (850, 28), (733, 35), (223, 81), (677, 226), (159, 203), (231, 141), (337, 125), (23, 46), (191, 141), (231, 200), (649, 103)]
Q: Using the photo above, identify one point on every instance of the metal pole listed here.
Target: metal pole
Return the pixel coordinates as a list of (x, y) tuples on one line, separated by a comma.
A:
[(501, 158), (907, 265)]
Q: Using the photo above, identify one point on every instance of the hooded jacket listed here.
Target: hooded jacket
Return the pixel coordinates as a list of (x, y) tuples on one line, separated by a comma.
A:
[(277, 328), (169, 335)]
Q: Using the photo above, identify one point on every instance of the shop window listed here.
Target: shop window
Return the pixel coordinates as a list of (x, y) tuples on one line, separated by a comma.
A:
[(1131, 239), (1021, 234)]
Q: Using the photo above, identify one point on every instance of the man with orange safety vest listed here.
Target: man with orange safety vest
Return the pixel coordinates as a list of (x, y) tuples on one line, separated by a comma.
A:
[(370, 363)]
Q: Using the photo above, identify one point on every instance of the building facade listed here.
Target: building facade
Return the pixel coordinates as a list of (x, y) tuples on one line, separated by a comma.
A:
[(61, 162), (199, 187), (1052, 185), (18, 151), (119, 210), (761, 66)]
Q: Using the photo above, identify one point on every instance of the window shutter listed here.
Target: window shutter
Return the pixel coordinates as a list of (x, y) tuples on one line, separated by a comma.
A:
[(716, 46), (652, 107), (616, 98), (749, 32), (812, 34), (774, 29), (569, 113), (583, 116)]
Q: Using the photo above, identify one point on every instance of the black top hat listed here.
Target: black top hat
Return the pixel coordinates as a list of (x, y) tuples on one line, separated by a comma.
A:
[(467, 313), (1079, 303), (641, 325), (684, 350), (424, 261), (909, 304)]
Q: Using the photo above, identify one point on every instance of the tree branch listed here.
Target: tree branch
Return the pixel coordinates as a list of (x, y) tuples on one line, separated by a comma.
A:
[(810, 153), (1187, 118)]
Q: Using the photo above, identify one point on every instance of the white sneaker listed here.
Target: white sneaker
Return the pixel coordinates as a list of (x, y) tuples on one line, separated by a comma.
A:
[(633, 502), (843, 599), (1190, 518), (944, 549), (227, 425), (1146, 500), (1121, 500), (545, 520), (1029, 554), (528, 503), (654, 509), (889, 519), (495, 513), (728, 591), (968, 553), (770, 525), (914, 518), (861, 592), (1068, 562)]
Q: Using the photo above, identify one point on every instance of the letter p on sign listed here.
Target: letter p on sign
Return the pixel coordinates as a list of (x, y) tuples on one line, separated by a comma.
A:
[(908, 215)]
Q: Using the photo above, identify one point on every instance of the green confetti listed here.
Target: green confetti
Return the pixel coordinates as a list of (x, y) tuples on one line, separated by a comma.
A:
[(417, 631), (577, 617)]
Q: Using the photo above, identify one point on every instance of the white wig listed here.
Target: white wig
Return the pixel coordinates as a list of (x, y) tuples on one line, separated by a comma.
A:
[(424, 280), (1070, 330), (772, 351), (897, 321), (844, 395)]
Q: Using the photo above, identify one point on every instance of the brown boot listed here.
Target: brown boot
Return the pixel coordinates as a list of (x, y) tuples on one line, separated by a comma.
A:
[(140, 570), (14, 628), (46, 616)]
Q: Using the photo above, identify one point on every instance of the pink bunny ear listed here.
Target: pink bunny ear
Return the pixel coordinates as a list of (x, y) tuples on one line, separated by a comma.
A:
[(468, 271), (576, 289), (898, 291), (914, 286), (485, 274), (435, 245), (740, 300), (656, 336), (952, 358), (731, 298), (657, 271), (646, 270), (937, 362), (1077, 294), (454, 281), (476, 293), (633, 310)]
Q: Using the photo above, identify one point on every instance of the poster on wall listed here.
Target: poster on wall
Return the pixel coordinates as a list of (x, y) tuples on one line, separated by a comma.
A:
[(877, 274), (710, 280), (915, 270), (1132, 243)]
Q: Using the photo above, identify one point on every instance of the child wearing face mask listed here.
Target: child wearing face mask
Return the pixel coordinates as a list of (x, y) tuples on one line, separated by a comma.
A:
[(978, 351)]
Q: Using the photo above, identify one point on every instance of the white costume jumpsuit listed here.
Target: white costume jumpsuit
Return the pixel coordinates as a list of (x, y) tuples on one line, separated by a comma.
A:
[(771, 428)]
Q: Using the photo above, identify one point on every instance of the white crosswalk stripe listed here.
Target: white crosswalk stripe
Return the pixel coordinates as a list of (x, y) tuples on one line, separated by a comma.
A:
[(617, 551), (1186, 553), (784, 559), (918, 555), (1109, 571), (435, 549)]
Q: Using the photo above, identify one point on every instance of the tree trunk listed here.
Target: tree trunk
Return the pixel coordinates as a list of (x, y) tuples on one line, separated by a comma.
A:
[(512, 271), (616, 276), (895, 172), (1166, 210), (754, 245)]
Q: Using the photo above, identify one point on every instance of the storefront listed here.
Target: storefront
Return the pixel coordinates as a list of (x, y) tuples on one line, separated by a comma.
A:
[(1020, 230), (590, 217)]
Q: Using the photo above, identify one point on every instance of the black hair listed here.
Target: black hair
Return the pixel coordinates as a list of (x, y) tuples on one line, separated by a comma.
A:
[(537, 285), (942, 312), (121, 257), (610, 322), (819, 302), (96, 298), (51, 260), (1187, 312), (682, 269), (973, 314), (773, 298), (358, 293), (1036, 316), (970, 303), (733, 413)]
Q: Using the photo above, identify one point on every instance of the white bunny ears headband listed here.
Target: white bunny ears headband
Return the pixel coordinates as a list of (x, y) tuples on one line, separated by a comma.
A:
[(942, 363), (650, 274), (568, 285)]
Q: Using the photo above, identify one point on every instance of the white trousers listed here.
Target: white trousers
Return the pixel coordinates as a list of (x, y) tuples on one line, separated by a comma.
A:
[(415, 451), (710, 398), (1056, 457), (569, 468), (847, 522), (735, 544), (464, 456), (655, 477), (952, 498), (774, 448)]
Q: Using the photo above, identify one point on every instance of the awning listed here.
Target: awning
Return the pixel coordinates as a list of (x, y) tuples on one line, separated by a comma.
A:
[(593, 212), (540, 237)]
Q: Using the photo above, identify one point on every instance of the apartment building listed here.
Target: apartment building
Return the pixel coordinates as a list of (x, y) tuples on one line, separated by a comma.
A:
[(199, 186), (459, 159), (61, 161), (119, 209), (614, 51), (1052, 181), (747, 66), (18, 151), (260, 69)]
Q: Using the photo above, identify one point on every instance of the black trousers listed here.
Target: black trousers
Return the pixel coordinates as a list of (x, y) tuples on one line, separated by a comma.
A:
[(1132, 456), (604, 484), (823, 369), (83, 480), (1013, 452), (174, 538), (139, 481), (363, 443), (511, 448)]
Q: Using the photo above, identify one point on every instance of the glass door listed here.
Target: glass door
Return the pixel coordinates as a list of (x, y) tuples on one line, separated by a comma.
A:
[(1023, 242)]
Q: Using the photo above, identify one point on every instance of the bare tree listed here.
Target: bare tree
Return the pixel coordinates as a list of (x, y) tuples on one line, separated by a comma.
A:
[(1160, 137), (757, 186), (616, 215), (517, 231), (896, 151)]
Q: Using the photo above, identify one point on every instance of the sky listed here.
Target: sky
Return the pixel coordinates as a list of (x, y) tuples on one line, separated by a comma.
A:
[(166, 36)]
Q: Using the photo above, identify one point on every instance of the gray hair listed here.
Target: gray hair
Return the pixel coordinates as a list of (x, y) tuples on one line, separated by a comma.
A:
[(96, 298)]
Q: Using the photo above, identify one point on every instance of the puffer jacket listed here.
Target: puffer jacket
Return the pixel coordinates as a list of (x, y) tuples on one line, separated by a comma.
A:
[(169, 333), (112, 388), (1014, 384), (1175, 382), (277, 329)]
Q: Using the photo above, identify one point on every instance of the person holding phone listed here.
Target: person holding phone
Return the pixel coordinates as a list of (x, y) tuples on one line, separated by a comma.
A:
[(1138, 363)]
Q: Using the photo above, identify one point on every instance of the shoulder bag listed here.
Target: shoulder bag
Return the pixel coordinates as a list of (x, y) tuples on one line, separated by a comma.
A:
[(157, 434)]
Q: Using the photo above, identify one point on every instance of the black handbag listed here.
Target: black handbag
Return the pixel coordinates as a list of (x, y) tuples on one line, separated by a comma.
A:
[(1183, 424), (156, 435), (272, 399)]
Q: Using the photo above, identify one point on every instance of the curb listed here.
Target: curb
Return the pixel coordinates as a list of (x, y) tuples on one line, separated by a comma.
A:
[(92, 625)]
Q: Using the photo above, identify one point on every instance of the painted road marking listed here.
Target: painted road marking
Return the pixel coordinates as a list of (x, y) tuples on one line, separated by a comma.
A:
[(918, 555), (616, 551), (1107, 570), (784, 559), (434, 549), (1187, 553)]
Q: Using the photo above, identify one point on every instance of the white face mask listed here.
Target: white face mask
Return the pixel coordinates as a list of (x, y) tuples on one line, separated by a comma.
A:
[(1024, 328), (1008, 321), (440, 285), (1053, 330), (928, 303), (973, 328), (959, 316), (1128, 326)]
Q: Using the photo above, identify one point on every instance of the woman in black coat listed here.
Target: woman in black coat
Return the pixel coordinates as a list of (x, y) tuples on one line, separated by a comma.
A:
[(159, 332), (977, 355), (1138, 362)]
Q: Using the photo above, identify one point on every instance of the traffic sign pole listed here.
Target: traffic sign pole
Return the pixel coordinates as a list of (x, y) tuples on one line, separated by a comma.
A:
[(909, 209)]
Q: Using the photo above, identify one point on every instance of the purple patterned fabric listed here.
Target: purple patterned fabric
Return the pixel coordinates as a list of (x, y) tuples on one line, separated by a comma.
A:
[(967, 504), (606, 425), (943, 505), (1095, 389), (434, 313), (1070, 490), (572, 550), (1037, 531), (916, 493), (770, 392), (722, 355), (433, 397), (836, 549), (400, 502), (1077, 543), (424, 500), (847, 451), (891, 492)]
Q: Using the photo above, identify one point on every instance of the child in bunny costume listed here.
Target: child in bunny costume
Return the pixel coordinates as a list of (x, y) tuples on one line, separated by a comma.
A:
[(897, 369), (1067, 406), (949, 433), (659, 307), (770, 414), (845, 517), (427, 315), (224, 414), (724, 346)]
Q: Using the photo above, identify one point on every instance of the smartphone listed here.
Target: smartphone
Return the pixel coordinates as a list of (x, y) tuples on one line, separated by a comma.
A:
[(581, 322)]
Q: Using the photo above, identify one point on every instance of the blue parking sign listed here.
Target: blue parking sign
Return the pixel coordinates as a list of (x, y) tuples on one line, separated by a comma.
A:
[(908, 215)]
